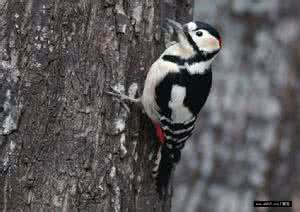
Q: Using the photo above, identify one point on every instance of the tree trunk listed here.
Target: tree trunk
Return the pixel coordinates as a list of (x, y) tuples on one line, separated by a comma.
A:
[(66, 145)]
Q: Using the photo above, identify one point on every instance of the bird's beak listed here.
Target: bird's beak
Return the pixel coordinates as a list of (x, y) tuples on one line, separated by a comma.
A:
[(180, 32), (175, 25)]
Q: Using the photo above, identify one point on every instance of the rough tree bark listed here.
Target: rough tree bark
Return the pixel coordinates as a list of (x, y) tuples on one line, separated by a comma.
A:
[(65, 145)]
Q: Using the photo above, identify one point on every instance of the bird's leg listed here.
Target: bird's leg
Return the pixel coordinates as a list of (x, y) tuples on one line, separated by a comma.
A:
[(116, 93), (124, 98)]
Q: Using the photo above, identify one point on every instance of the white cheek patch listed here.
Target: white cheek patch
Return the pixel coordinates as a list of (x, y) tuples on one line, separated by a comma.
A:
[(192, 26), (212, 43), (207, 42)]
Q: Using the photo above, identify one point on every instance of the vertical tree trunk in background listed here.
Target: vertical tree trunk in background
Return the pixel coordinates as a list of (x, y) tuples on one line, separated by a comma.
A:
[(65, 145), (247, 143)]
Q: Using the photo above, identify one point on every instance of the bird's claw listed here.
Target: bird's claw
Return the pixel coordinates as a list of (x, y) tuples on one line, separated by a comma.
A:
[(121, 97)]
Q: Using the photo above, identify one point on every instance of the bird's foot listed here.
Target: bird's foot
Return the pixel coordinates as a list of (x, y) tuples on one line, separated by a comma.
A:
[(123, 98)]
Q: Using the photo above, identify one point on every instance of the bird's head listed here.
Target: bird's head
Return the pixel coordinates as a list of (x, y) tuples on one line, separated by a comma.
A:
[(199, 36)]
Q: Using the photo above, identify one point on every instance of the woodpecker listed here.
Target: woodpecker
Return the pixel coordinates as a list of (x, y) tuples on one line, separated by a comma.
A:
[(176, 88)]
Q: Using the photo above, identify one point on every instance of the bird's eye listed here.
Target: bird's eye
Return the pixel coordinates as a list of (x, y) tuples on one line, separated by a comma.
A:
[(199, 33)]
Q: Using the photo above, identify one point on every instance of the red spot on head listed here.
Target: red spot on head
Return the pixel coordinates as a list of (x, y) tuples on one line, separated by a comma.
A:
[(220, 42), (160, 134)]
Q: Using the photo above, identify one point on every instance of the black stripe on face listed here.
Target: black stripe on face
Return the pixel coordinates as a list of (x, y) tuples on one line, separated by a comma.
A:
[(192, 43), (201, 57)]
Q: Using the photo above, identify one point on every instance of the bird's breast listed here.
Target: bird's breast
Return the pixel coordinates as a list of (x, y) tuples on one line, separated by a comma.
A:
[(182, 95)]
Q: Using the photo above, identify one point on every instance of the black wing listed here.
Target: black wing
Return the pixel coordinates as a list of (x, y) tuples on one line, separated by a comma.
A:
[(197, 90)]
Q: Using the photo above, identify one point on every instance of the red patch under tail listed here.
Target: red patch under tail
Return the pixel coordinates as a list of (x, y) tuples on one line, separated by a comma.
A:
[(160, 134)]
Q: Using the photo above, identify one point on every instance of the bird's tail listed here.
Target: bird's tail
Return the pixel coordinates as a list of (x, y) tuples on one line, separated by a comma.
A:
[(163, 167)]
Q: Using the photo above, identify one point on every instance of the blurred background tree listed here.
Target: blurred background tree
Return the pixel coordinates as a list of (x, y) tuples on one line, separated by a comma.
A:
[(247, 142)]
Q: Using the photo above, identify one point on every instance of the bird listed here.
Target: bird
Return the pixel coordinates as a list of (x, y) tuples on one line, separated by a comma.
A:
[(176, 88)]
